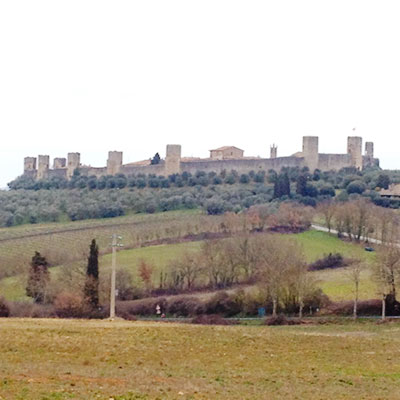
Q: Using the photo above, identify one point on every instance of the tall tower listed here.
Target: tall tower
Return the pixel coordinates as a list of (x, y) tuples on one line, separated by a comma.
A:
[(354, 149), (369, 149), (29, 164), (43, 167), (273, 151), (173, 159), (74, 162), (114, 162), (310, 152)]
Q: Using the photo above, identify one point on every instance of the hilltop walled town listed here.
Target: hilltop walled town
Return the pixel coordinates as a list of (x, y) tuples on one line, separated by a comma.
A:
[(223, 158)]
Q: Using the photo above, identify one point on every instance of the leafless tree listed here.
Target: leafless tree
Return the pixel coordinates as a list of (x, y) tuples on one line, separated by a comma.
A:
[(354, 272)]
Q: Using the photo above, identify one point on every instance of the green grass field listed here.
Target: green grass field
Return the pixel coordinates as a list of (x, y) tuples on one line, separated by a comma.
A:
[(335, 283), (67, 359)]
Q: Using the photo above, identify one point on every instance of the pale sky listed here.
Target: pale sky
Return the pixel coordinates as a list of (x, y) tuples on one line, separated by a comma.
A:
[(94, 76)]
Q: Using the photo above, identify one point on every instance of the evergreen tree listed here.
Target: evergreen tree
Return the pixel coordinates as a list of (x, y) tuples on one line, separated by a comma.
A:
[(91, 289), (38, 278), (285, 185), (282, 185), (301, 185), (383, 181), (156, 159)]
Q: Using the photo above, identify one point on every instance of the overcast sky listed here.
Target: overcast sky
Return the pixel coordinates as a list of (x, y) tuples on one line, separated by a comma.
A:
[(94, 76)]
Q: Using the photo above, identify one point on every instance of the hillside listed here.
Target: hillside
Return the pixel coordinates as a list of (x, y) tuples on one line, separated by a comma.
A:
[(63, 243), (88, 197), (335, 283)]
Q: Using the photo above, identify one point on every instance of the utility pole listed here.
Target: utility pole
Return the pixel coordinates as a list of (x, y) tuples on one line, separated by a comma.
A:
[(114, 246)]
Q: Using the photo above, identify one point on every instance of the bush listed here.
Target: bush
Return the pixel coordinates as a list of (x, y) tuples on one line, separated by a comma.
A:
[(141, 307), (215, 207), (4, 308), (31, 310), (281, 320), (210, 320), (330, 261), (185, 306), (364, 307), (358, 187), (68, 305), (223, 303)]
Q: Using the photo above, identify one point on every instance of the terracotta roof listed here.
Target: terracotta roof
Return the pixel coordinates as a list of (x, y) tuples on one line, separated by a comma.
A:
[(226, 148), (394, 190)]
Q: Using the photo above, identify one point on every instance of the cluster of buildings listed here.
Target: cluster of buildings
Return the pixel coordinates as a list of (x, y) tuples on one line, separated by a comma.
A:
[(223, 158)]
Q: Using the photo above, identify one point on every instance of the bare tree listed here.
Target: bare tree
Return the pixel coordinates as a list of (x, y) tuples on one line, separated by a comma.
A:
[(278, 258), (387, 274), (328, 210), (189, 268), (354, 273)]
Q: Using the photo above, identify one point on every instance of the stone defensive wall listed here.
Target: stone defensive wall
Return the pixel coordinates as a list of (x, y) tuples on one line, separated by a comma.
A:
[(229, 158)]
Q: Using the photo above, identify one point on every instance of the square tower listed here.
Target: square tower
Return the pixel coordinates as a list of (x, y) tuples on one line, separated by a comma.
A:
[(173, 159), (73, 162), (114, 162), (43, 167), (310, 152), (354, 149)]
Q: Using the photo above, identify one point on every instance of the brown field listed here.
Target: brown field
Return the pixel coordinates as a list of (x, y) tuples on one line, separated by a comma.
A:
[(67, 359)]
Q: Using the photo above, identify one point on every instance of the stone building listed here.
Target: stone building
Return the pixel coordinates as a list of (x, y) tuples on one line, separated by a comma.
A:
[(224, 158), (226, 153)]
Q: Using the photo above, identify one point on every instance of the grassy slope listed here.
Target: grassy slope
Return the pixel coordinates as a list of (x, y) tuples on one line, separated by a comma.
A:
[(62, 243), (335, 283), (63, 359)]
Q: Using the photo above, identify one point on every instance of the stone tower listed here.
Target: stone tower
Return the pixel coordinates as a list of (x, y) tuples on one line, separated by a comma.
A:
[(59, 163), (43, 167), (354, 149), (310, 152), (173, 159), (29, 164), (369, 149), (273, 151), (114, 162), (74, 162)]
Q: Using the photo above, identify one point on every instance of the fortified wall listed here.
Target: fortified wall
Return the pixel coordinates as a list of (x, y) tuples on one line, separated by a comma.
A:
[(224, 158)]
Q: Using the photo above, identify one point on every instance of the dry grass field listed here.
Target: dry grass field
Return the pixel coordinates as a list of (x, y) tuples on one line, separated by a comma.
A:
[(66, 359)]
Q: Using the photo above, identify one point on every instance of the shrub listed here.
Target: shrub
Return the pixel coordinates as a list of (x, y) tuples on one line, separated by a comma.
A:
[(327, 190), (31, 310), (223, 303), (364, 307), (330, 261), (4, 308), (215, 207), (358, 187), (185, 306), (281, 320), (68, 305), (142, 307)]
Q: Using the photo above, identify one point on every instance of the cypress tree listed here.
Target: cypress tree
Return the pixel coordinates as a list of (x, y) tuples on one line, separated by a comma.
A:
[(285, 185), (301, 185), (38, 278), (156, 159), (91, 289), (282, 185)]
